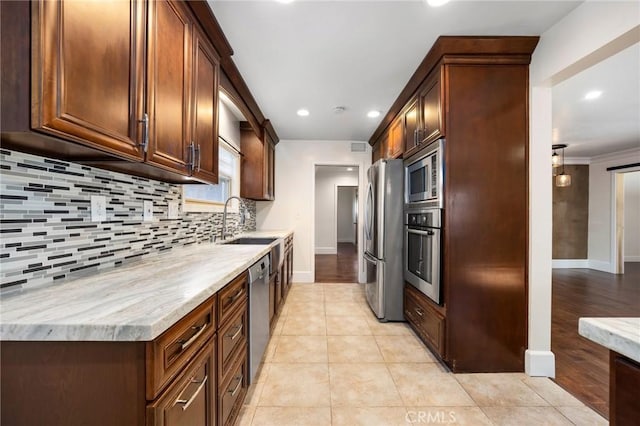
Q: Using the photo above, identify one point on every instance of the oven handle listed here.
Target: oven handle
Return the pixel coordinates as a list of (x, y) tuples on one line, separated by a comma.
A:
[(415, 231)]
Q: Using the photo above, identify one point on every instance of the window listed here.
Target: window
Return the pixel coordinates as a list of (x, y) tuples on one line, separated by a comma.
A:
[(200, 197)]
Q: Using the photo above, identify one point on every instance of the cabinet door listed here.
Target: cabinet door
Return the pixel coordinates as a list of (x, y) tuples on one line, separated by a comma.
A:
[(88, 70), (396, 138), (431, 117), (270, 163), (257, 165), (376, 152), (410, 126), (189, 400), (205, 109), (169, 85)]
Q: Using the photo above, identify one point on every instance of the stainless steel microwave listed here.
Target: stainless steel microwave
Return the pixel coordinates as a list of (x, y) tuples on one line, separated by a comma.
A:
[(424, 176)]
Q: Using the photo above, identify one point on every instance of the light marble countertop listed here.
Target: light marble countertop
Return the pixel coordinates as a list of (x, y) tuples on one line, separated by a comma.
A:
[(620, 335), (137, 302)]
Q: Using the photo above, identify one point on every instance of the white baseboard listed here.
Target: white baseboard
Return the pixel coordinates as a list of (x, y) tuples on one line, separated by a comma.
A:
[(570, 263), (326, 250), (632, 258), (302, 277), (600, 265), (539, 363)]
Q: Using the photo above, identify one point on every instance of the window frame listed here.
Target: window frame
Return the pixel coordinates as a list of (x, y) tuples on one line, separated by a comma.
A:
[(196, 205)]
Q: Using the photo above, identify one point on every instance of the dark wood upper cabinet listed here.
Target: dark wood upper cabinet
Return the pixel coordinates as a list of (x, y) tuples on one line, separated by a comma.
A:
[(130, 86), (205, 121), (88, 73), (376, 152), (395, 146), (258, 164), (169, 86), (410, 115), (431, 123)]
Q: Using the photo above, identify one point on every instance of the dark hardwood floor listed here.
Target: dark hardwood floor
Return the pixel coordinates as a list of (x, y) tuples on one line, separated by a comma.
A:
[(582, 367), (340, 268)]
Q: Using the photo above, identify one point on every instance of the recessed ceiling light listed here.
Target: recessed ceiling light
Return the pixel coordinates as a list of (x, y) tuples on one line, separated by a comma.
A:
[(594, 94), (349, 169), (436, 3), (303, 112), (373, 114), (285, 1)]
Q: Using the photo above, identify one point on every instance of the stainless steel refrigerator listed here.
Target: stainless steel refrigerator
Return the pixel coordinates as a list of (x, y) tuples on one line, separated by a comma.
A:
[(383, 239)]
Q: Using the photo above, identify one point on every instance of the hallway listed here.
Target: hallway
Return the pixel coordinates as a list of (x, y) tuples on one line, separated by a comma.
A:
[(582, 367), (338, 268)]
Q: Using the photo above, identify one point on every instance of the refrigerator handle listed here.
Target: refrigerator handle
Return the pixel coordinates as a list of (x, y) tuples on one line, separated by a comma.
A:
[(370, 258)]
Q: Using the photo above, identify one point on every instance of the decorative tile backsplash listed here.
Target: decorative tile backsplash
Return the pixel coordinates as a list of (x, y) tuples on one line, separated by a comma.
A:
[(45, 220)]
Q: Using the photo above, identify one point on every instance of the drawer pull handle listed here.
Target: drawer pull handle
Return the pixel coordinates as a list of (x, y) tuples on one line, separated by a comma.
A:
[(234, 335), (233, 298), (419, 311), (238, 386), (187, 402), (189, 342)]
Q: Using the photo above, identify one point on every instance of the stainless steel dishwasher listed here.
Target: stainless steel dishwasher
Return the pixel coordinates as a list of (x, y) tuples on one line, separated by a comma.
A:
[(258, 313)]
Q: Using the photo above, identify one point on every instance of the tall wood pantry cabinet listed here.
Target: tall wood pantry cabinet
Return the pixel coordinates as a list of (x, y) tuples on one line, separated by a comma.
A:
[(473, 92)]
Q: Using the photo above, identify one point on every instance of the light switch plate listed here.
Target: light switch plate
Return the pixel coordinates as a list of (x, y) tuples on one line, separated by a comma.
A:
[(173, 210), (98, 208), (147, 211)]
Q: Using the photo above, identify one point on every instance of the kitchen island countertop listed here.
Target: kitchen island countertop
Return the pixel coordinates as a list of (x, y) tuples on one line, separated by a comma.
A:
[(136, 302), (621, 335)]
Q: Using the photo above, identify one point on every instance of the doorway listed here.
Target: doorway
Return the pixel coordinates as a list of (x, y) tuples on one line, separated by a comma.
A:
[(336, 227), (626, 218)]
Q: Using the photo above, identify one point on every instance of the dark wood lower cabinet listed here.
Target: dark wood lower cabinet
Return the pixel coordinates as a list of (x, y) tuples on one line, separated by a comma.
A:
[(72, 383), (232, 391), (426, 320), (189, 400), (624, 385), (195, 373)]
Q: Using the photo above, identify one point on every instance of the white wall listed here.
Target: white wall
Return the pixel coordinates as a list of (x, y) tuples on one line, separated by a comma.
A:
[(591, 32), (601, 237), (346, 214), (326, 222), (632, 217), (294, 203), (228, 126)]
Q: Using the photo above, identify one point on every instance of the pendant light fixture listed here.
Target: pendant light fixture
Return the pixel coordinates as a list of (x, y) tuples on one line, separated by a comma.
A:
[(557, 161)]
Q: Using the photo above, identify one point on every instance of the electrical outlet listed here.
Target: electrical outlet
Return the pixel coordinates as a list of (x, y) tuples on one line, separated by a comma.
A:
[(98, 208), (173, 210), (147, 211)]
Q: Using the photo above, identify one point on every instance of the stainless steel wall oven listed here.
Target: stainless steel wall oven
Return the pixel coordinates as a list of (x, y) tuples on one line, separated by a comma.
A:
[(422, 257)]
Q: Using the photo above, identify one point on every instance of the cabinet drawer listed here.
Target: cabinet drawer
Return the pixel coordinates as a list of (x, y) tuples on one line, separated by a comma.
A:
[(230, 297), (232, 338), (427, 322), (168, 353), (232, 391), (189, 399)]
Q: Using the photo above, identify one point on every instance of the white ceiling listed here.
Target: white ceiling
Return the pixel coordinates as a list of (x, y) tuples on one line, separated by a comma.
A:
[(608, 124), (357, 54)]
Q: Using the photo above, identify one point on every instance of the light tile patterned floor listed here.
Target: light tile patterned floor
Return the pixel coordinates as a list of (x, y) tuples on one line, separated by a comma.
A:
[(330, 362)]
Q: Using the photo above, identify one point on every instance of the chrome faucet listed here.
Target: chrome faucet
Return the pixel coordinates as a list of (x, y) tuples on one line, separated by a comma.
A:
[(242, 211)]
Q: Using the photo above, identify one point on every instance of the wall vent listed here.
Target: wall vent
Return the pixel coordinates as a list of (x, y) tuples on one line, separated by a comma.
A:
[(358, 147)]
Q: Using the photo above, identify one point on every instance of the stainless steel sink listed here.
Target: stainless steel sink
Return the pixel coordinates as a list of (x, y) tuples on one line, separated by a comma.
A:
[(249, 240)]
